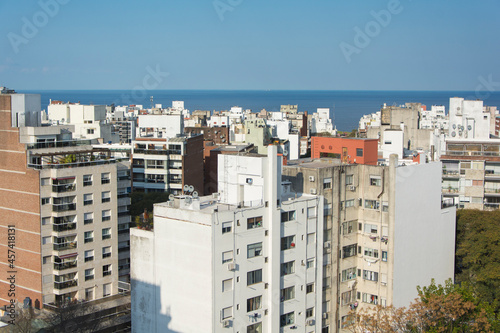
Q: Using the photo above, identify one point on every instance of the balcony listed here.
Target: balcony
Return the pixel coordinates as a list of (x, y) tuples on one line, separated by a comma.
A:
[(453, 190), (60, 266), (66, 284), (158, 151), (65, 246), (63, 207), (123, 213), (123, 195), (63, 188), (64, 227), (491, 205), (451, 173)]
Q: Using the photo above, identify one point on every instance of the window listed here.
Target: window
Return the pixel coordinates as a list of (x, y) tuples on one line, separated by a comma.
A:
[(369, 275), (89, 255), (89, 294), (348, 274), (87, 180), (371, 252), (46, 260), (106, 215), (254, 328), (371, 228), (254, 222), (348, 227), (349, 179), (106, 270), (105, 178), (45, 201), (88, 199), (106, 289), (254, 277), (372, 204), (375, 180), (310, 263), (226, 227), (327, 183), (310, 288), (227, 312), (227, 256), (254, 250), (287, 293), (288, 216), (348, 297), (287, 319), (106, 233), (359, 152), (90, 131), (45, 220), (349, 251), (88, 236), (310, 312), (287, 268), (349, 203), (106, 252), (384, 255), (287, 243), (89, 274), (327, 209), (368, 298), (254, 303), (88, 218), (383, 278), (227, 285), (45, 181), (385, 206), (105, 197)]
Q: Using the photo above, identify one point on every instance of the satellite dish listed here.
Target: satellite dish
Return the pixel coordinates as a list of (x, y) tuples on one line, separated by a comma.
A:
[(191, 188), (195, 194), (186, 188), (453, 134), (454, 126), (171, 197), (285, 153), (469, 127)]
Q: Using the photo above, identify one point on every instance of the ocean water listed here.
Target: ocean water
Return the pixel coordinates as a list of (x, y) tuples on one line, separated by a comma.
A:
[(346, 107)]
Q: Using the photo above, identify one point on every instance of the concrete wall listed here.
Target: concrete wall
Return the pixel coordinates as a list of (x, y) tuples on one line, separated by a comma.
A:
[(424, 234)]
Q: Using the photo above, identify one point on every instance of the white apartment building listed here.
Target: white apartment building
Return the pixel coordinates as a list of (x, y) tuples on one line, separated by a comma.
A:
[(321, 122), (435, 118), (250, 260), (468, 120), (369, 120), (89, 120), (385, 222)]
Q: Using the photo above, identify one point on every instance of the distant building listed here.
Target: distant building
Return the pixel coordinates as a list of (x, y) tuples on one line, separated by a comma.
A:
[(468, 120), (349, 150)]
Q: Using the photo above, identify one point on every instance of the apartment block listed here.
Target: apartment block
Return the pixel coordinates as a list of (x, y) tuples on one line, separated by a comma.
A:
[(167, 164), (381, 235), (62, 201), (349, 150), (248, 260)]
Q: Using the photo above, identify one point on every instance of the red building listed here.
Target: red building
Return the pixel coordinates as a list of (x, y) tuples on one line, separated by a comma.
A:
[(350, 150)]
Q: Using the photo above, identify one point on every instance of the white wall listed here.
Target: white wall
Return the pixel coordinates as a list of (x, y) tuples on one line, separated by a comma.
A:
[(392, 143), (26, 110), (424, 234), (172, 123)]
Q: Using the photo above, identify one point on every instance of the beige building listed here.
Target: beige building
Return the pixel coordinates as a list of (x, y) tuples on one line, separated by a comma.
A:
[(385, 233)]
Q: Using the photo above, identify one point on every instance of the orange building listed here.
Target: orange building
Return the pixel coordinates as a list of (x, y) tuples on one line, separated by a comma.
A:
[(350, 150)]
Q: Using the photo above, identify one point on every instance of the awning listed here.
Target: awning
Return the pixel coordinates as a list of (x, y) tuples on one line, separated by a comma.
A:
[(63, 178), (65, 256)]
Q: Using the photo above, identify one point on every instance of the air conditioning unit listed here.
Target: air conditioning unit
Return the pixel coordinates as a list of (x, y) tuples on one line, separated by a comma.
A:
[(313, 191), (352, 188), (310, 322), (231, 266), (325, 315), (311, 178), (327, 245), (226, 323)]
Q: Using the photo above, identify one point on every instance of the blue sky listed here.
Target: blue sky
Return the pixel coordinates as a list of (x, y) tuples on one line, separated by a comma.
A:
[(249, 44)]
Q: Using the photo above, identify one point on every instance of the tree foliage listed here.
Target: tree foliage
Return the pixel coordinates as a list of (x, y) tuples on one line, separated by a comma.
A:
[(478, 254), (143, 200), (439, 308)]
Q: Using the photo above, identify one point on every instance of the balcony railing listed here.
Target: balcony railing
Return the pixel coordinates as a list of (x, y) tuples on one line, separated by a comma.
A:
[(158, 151), (451, 172), (471, 153), (123, 195), (123, 213), (63, 188), (451, 190), (66, 284), (64, 227), (63, 207), (64, 246), (491, 205), (60, 266), (492, 190), (76, 164)]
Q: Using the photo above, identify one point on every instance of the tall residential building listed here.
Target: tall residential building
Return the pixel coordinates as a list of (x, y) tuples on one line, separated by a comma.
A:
[(167, 164), (388, 227), (468, 119), (250, 260), (61, 207)]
